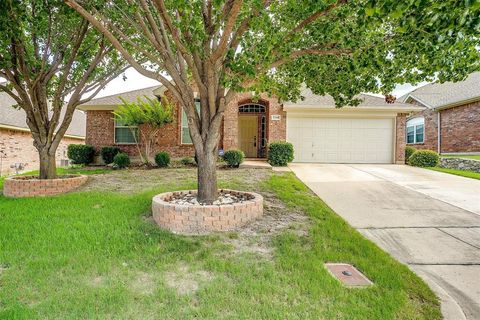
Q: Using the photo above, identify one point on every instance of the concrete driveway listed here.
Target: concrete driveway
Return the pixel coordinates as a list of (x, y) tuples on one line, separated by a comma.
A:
[(425, 219)]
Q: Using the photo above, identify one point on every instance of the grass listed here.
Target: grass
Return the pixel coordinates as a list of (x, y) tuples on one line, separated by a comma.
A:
[(73, 170), (463, 173), (463, 156), (63, 171), (96, 255)]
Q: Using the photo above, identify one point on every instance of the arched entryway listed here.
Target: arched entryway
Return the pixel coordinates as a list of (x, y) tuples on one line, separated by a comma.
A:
[(253, 129)]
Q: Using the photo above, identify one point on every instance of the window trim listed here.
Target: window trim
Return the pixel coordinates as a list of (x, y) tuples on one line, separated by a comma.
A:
[(182, 112), (128, 127), (415, 122)]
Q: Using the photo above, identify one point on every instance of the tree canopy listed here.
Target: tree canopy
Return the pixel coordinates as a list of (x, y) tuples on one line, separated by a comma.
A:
[(334, 47), (53, 61), (217, 48)]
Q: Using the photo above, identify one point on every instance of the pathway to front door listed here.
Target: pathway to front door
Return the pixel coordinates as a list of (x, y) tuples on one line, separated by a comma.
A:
[(425, 219)]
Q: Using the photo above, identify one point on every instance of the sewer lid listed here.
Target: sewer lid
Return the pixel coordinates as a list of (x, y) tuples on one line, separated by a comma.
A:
[(348, 274)]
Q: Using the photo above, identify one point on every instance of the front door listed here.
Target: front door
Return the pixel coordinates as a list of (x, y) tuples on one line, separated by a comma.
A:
[(248, 131)]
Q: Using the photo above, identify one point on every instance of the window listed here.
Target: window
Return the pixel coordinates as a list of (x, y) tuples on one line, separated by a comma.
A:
[(416, 130), (251, 108), (186, 139), (125, 134)]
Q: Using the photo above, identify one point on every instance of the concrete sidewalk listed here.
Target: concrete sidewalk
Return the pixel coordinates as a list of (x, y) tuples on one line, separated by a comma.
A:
[(425, 219)]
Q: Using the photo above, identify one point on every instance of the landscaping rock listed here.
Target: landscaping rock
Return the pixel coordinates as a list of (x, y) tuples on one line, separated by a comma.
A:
[(460, 164), (223, 199)]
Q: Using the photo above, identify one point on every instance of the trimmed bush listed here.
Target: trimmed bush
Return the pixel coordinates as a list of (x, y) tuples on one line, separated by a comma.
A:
[(408, 152), (187, 161), (80, 153), (424, 158), (108, 153), (233, 158), (162, 159), (280, 153), (121, 160)]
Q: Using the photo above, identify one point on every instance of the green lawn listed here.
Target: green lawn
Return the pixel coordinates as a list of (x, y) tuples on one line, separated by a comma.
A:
[(463, 156), (96, 254), (463, 173), (73, 170)]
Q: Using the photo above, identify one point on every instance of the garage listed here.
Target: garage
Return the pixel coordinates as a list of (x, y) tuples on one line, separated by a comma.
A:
[(341, 139), (371, 132)]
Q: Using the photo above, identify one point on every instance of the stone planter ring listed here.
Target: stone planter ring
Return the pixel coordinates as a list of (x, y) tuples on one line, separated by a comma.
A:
[(202, 219), (31, 186)]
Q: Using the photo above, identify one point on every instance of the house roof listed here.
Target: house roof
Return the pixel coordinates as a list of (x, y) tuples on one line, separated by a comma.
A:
[(129, 96), (448, 94), (15, 118), (314, 101), (310, 101)]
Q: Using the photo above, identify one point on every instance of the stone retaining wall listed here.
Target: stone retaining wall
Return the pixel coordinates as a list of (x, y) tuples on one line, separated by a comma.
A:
[(460, 164), (201, 219), (21, 187)]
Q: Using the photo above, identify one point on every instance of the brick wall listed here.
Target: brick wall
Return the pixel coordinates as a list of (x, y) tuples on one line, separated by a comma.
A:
[(100, 129), (431, 129), (460, 128), (276, 129), (400, 138), (18, 148)]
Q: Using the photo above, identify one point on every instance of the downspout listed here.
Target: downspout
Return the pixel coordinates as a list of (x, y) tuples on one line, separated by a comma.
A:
[(439, 132)]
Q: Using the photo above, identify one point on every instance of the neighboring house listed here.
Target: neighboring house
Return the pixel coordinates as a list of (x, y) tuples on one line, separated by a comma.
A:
[(373, 132), (450, 122), (16, 142)]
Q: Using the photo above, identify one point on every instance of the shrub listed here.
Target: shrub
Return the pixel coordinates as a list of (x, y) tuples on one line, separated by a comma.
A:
[(408, 152), (187, 161), (162, 159), (233, 158), (424, 158), (80, 153), (121, 160), (280, 153), (108, 153)]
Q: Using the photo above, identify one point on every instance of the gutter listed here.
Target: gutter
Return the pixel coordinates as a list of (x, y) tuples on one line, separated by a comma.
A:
[(439, 133), (457, 104), (405, 109)]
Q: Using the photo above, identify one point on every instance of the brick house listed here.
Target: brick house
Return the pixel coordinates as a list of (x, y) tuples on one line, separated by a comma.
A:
[(16, 142), (450, 122), (372, 132)]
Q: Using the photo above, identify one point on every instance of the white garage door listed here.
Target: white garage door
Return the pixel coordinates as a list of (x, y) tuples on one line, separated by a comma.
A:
[(341, 140)]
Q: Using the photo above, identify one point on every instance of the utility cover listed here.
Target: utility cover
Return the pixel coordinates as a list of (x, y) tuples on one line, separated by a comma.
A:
[(348, 274)]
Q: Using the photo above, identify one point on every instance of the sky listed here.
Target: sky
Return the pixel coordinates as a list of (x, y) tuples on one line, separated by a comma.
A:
[(136, 81)]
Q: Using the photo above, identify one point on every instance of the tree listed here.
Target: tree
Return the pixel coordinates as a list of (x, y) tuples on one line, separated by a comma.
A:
[(338, 47), (48, 54), (149, 116)]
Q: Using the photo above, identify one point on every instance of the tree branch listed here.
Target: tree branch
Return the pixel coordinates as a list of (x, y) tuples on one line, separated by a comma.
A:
[(227, 30), (310, 51), (100, 27)]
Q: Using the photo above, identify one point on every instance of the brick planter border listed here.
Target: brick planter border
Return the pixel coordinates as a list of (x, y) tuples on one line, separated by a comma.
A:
[(201, 219), (28, 186)]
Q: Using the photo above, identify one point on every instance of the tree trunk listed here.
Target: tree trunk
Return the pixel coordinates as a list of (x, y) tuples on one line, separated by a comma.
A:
[(207, 176), (48, 165)]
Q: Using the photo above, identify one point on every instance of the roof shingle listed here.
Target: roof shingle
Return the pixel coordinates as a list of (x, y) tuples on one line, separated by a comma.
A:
[(12, 117), (327, 101), (438, 95), (129, 96)]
